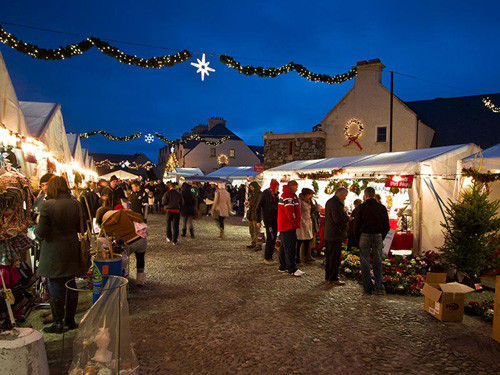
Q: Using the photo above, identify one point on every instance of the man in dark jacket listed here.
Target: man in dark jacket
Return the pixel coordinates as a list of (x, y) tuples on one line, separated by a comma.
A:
[(370, 227), (116, 193), (172, 201), (336, 221), (90, 203), (188, 209), (267, 209), (138, 199), (253, 199)]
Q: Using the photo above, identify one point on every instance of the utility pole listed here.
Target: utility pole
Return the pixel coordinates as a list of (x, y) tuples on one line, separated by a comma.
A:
[(391, 115)]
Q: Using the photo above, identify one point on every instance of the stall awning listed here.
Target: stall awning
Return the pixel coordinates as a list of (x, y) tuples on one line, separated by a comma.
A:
[(490, 160), (186, 172), (234, 173)]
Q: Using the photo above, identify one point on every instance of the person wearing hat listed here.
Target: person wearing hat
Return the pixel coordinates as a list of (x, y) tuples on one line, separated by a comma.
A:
[(288, 223), (44, 184), (116, 193), (267, 210)]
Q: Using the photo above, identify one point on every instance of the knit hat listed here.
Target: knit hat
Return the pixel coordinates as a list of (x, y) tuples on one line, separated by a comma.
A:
[(274, 184), (46, 177), (113, 178), (293, 182)]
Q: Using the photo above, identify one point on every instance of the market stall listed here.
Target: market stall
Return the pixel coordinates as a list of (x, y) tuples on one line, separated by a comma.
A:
[(176, 175), (236, 175), (413, 185), (121, 174)]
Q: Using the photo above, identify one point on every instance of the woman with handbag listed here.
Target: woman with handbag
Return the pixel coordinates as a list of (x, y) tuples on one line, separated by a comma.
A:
[(221, 207), (60, 221)]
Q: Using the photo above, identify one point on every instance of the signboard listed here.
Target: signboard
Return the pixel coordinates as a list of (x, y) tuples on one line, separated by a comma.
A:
[(258, 168), (403, 182), (388, 241)]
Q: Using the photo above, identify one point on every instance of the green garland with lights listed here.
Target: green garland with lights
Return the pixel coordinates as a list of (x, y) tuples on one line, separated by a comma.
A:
[(195, 137), (83, 46), (110, 164), (274, 72), (489, 104), (321, 175), (110, 136), (484, 178)]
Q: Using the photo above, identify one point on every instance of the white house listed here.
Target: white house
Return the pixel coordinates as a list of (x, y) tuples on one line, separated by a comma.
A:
[(365, 111), (196, 154)]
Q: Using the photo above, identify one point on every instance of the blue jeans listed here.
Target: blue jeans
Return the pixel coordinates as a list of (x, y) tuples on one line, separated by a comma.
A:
[(287, 250), (367, 243)]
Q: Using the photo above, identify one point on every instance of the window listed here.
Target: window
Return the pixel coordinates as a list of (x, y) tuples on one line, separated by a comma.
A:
[(212, 152), (382, 134), (290, 147), (232, 153)]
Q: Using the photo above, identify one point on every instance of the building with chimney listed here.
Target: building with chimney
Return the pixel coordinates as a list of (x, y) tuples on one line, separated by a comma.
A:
[(197, 154), (359, 123)]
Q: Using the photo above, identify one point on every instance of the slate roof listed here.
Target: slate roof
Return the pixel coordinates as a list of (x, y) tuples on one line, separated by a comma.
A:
[(460, 120), (217, 132)]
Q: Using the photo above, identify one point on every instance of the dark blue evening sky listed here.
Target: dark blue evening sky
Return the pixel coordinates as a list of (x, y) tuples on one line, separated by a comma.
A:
[(453, 43)]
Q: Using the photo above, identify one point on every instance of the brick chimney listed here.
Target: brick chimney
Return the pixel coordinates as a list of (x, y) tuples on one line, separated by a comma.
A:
[(213, 121), (369, 72)]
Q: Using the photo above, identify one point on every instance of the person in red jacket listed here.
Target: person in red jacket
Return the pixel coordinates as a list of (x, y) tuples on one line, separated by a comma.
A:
[(288, 223)]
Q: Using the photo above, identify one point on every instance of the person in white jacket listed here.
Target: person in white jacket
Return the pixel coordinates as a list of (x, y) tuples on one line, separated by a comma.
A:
[(222, 206)]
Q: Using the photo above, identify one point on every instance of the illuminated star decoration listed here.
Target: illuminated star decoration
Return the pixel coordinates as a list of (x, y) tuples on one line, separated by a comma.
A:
[(149, 138), (203, 67)]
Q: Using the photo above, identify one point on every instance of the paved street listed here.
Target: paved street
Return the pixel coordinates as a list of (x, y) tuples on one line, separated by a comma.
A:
[(211, 307)]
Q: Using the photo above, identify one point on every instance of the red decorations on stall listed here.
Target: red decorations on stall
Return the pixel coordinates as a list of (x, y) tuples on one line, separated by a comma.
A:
[(401, 182)]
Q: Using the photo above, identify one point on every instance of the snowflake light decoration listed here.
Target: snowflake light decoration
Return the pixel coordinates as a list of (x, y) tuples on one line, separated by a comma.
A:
[(149, 138), (203, 67)]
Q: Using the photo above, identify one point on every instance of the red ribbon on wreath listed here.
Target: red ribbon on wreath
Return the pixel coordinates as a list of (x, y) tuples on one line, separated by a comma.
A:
[(353, 140)]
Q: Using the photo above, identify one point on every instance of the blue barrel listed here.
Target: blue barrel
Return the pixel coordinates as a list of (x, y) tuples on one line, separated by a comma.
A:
[(103, 268)]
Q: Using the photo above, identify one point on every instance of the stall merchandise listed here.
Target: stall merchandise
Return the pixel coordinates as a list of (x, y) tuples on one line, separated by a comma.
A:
[(417, 207)]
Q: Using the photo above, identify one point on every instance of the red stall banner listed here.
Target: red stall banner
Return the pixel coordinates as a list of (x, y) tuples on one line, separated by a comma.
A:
[(402, 182), (258, 168)]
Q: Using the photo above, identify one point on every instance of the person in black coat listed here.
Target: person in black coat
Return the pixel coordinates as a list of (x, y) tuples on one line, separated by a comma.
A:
[(336, 221), (58, 227), (188, 209), (172, 201), (352, 240), (90, 204), (371, 226), (267, 209)]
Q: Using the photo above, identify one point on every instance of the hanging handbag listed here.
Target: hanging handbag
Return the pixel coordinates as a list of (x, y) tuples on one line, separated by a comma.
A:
[(85, 256)]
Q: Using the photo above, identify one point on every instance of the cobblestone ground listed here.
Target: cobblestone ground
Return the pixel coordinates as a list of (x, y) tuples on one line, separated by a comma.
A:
[(211, 307)]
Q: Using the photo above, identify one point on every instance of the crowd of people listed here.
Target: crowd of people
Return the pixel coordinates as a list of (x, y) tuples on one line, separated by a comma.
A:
[(63, 214)]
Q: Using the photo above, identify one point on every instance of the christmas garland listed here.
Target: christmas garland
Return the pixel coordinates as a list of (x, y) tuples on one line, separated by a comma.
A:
[(489, 104), (196, 137), (274, 72), (484, 178), (321, 175), (110, 136), (222, 159), (79, 48), (125, 163)]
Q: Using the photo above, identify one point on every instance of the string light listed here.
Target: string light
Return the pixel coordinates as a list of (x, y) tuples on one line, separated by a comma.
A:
[(274, 72), (125, 163), (195, 137), (489, 104), (83, 46), (109, 136), (353, 138), (172, 163), (222, 159)]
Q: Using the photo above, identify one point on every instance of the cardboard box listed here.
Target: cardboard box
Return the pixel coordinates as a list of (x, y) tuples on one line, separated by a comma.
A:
[(496, 317), (444, 301)]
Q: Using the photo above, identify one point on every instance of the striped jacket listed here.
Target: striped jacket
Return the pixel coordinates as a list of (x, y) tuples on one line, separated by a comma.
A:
[(288, 211)]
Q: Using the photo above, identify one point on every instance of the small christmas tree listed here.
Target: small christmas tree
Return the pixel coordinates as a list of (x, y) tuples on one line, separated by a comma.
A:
[(172, 163), (470, 235)]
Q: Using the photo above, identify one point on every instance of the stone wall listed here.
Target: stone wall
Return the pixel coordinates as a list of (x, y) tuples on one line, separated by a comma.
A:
[(307, 146)]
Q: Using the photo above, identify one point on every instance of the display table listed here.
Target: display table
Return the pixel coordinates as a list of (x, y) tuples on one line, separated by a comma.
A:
[(402, 241), (24, 354)]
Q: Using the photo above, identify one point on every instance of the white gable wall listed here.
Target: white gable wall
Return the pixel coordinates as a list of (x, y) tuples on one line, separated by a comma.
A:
[(369, 102)]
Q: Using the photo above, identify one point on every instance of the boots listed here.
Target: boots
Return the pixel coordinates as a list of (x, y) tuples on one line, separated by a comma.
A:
[(57, 307), (221, 236), (307, 253), (251, 246), (71, 306), (141, 279), (183, 233), (191, 232)]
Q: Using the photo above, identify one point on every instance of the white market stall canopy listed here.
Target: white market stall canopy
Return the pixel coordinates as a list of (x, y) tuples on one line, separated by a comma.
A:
[(124, 175), (75, 147), (45, 122), (188, 172), (234, 173), (11, 114), (490, 160)]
